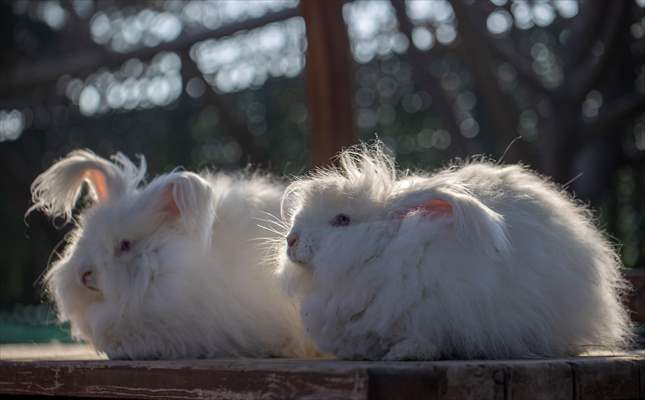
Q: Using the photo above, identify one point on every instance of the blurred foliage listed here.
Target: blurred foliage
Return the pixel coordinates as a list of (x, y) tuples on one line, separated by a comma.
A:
[(433, 79), (32, 324)]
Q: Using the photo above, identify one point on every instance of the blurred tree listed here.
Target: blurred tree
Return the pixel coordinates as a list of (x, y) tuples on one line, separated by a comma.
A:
[(595, 55)]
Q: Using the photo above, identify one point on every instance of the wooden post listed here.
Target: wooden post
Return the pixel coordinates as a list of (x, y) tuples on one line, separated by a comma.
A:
[(329, 83)]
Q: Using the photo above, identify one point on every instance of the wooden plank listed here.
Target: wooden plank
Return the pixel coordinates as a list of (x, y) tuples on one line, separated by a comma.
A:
[(478, 381), (588, 377), (329, 83), (179, 380), (636, 297), (599, 379), (387, 383), (640, 364), (540, 381), (490, 380)]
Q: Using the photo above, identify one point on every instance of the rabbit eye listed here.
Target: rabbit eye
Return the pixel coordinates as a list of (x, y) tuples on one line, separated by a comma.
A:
[(124, 246), (340, 220)]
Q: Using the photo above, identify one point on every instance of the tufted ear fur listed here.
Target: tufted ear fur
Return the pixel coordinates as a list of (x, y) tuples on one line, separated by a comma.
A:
[(184, 198), (474, 223), (56, 190)]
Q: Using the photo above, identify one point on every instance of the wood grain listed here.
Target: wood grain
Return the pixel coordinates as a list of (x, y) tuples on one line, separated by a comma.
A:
[(589, 377)]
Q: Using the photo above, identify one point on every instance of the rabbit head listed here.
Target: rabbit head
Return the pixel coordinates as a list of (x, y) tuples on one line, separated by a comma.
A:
[(344, 217), (119, 246), (332, 206)]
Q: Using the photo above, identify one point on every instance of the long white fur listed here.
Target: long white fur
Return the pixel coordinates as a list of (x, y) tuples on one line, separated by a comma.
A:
[(193, 285), (518, 270)]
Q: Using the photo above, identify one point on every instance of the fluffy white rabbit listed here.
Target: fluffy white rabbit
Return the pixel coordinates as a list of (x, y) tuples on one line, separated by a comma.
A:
[(474, 261), (168, 270)]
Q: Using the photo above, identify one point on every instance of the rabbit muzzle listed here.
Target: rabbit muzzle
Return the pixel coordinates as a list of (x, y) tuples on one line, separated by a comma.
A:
[(299, 249), (88, 280)]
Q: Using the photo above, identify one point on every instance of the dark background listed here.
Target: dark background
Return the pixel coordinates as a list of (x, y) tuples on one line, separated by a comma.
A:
[(221, 84)]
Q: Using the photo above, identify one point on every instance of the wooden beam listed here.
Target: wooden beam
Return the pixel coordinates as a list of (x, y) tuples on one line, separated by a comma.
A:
[(196, 379), (615, 376), (329, 83)]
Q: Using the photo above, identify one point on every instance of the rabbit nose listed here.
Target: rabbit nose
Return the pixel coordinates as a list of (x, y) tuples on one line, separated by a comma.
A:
[(292, 239), (87, 278)]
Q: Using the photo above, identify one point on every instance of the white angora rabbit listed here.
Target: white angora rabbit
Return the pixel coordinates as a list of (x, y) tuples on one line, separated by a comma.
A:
[(477, 260), (168, 270)]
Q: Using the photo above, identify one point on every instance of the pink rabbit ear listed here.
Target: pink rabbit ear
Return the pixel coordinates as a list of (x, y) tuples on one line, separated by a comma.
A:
[(57, 190), (473, 222), (169, 203), (432, 207), (436, 206), (98, 182), (185, 198)]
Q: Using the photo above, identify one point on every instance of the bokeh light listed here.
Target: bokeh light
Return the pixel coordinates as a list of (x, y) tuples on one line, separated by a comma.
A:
[(247, 59), (134, 85), (123, 30), (12, 124)]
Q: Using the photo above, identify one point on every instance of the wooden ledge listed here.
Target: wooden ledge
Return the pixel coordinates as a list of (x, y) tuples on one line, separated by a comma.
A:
[(589, 377)]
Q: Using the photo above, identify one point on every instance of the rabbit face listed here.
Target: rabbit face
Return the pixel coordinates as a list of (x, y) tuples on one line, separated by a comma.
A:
[(335, 213), (330, 217), (110, 250)]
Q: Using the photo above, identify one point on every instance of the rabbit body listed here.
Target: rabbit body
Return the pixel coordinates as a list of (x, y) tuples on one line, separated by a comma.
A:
[(474, 261), (168, 270)]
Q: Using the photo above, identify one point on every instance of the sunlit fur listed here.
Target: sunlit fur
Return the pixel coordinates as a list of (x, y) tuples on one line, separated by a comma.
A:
[(193, 285), (517, 270)]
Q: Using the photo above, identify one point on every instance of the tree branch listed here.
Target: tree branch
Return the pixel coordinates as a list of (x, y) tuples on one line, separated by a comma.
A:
[(585, 77), (583, 31), (421, 59), (238, 128), (23, 77), (502, 49), (620, 110), (498, 104)]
